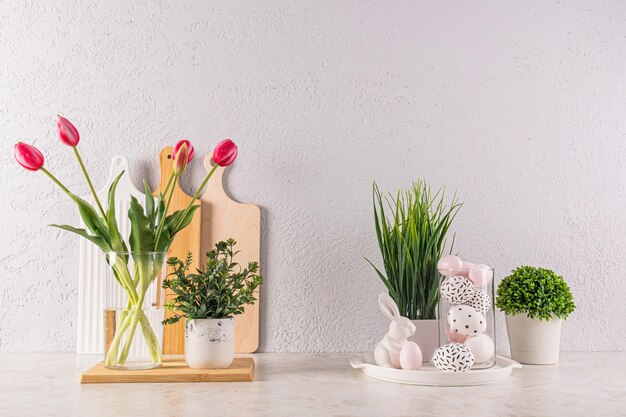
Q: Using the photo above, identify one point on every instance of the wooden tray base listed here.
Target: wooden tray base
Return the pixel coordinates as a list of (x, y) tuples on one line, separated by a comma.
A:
[(173, 370)]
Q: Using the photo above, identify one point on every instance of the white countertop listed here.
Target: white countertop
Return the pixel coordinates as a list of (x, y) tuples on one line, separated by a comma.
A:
[(47, 384)]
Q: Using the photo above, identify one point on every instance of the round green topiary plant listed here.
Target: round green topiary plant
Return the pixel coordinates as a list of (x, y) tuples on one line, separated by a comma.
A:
[(538, 292)]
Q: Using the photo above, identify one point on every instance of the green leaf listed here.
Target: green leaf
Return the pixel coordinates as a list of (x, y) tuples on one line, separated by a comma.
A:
[(117, 242), (96, 240), (141, 236), (149, 207), (91, 218), (165, 241), (160, 209), (174, 223)]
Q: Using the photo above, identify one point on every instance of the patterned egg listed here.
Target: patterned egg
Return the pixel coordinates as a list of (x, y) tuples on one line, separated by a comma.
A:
[(453, 357), (482, 347), (456, 290), (466, 320), (480, 301)]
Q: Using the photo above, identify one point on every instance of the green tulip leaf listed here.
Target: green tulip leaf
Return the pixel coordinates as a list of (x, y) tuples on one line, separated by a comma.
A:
[(160, 209), (174, 223), (150, 213), (92, 220), (96, 240), (117, 242), (141, 236)]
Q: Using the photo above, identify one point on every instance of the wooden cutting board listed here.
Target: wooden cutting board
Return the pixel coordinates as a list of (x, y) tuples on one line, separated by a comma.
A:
[(223, 218), (187, 240), (172, 370)]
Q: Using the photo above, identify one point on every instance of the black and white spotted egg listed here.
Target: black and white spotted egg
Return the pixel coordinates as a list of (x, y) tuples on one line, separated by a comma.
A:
[(456, 289), (453, 357), (466, 320), (480, 301)]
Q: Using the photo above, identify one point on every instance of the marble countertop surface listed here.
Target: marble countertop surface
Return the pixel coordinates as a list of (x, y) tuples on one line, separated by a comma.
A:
[(47, 384)]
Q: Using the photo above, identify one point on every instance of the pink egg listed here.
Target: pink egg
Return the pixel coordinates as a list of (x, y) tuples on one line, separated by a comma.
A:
[(411, 357), (464, 271), (467, 266), (455, 337), (448, 265), (480, 274)]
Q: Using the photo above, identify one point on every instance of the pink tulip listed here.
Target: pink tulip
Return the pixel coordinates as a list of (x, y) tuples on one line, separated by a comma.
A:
[(189, 148), (181, 158), (225, 153), (67, 132), (28, 156)]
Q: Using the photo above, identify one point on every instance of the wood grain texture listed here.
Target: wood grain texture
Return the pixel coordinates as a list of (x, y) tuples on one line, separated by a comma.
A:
[(224, 218), (173, 370), (187, 240)]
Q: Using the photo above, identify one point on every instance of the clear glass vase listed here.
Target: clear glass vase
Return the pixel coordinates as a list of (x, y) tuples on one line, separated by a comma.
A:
[(467, 313), (133, 310)]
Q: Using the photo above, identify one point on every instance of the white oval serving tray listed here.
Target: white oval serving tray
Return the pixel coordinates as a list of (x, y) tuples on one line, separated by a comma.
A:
[(429, 375)]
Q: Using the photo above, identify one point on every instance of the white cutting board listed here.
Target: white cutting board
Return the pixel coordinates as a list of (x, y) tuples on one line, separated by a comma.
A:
[(92, 267)]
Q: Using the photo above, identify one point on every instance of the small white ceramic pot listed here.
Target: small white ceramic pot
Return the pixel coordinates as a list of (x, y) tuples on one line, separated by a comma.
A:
[(209, 343), (534, 341), (426, 336)]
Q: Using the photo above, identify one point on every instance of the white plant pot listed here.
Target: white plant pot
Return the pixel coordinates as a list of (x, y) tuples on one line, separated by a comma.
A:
[(209, 343), (426, 336), (534, 341)]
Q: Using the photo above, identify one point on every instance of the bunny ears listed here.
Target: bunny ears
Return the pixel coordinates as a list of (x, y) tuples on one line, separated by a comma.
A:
[(388, 306)]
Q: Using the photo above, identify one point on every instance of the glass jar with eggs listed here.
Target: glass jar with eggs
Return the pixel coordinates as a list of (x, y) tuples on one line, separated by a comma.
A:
[(467, 316)]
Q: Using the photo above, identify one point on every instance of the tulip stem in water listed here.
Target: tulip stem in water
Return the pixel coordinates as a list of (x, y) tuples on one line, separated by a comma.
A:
[(131, 317), (93, 191)]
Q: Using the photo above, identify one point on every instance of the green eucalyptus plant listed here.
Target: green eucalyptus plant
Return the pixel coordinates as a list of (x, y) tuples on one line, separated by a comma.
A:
[(537, 292), (412, 237), (220, 289)]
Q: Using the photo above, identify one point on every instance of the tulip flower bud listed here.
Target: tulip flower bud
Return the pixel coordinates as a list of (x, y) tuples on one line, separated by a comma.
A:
[(67, 132), (28, 156), (189, 147), (180, 159), (225, 153)]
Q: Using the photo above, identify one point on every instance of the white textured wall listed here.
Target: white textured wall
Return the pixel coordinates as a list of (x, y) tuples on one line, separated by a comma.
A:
[(520, 106)]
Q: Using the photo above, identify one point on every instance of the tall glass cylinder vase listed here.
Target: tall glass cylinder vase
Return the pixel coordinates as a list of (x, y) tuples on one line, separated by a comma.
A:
[(467, 313), (133, 310)]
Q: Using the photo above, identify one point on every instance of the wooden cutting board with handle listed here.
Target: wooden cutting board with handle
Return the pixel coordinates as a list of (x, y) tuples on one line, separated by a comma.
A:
[(223, 218), (187, 240)]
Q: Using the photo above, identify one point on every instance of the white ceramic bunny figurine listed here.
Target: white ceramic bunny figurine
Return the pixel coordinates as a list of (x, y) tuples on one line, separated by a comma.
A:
[(387, 352)]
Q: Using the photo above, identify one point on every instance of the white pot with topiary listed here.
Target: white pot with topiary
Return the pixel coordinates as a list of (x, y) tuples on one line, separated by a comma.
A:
[(535, 301), (209, 300)]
